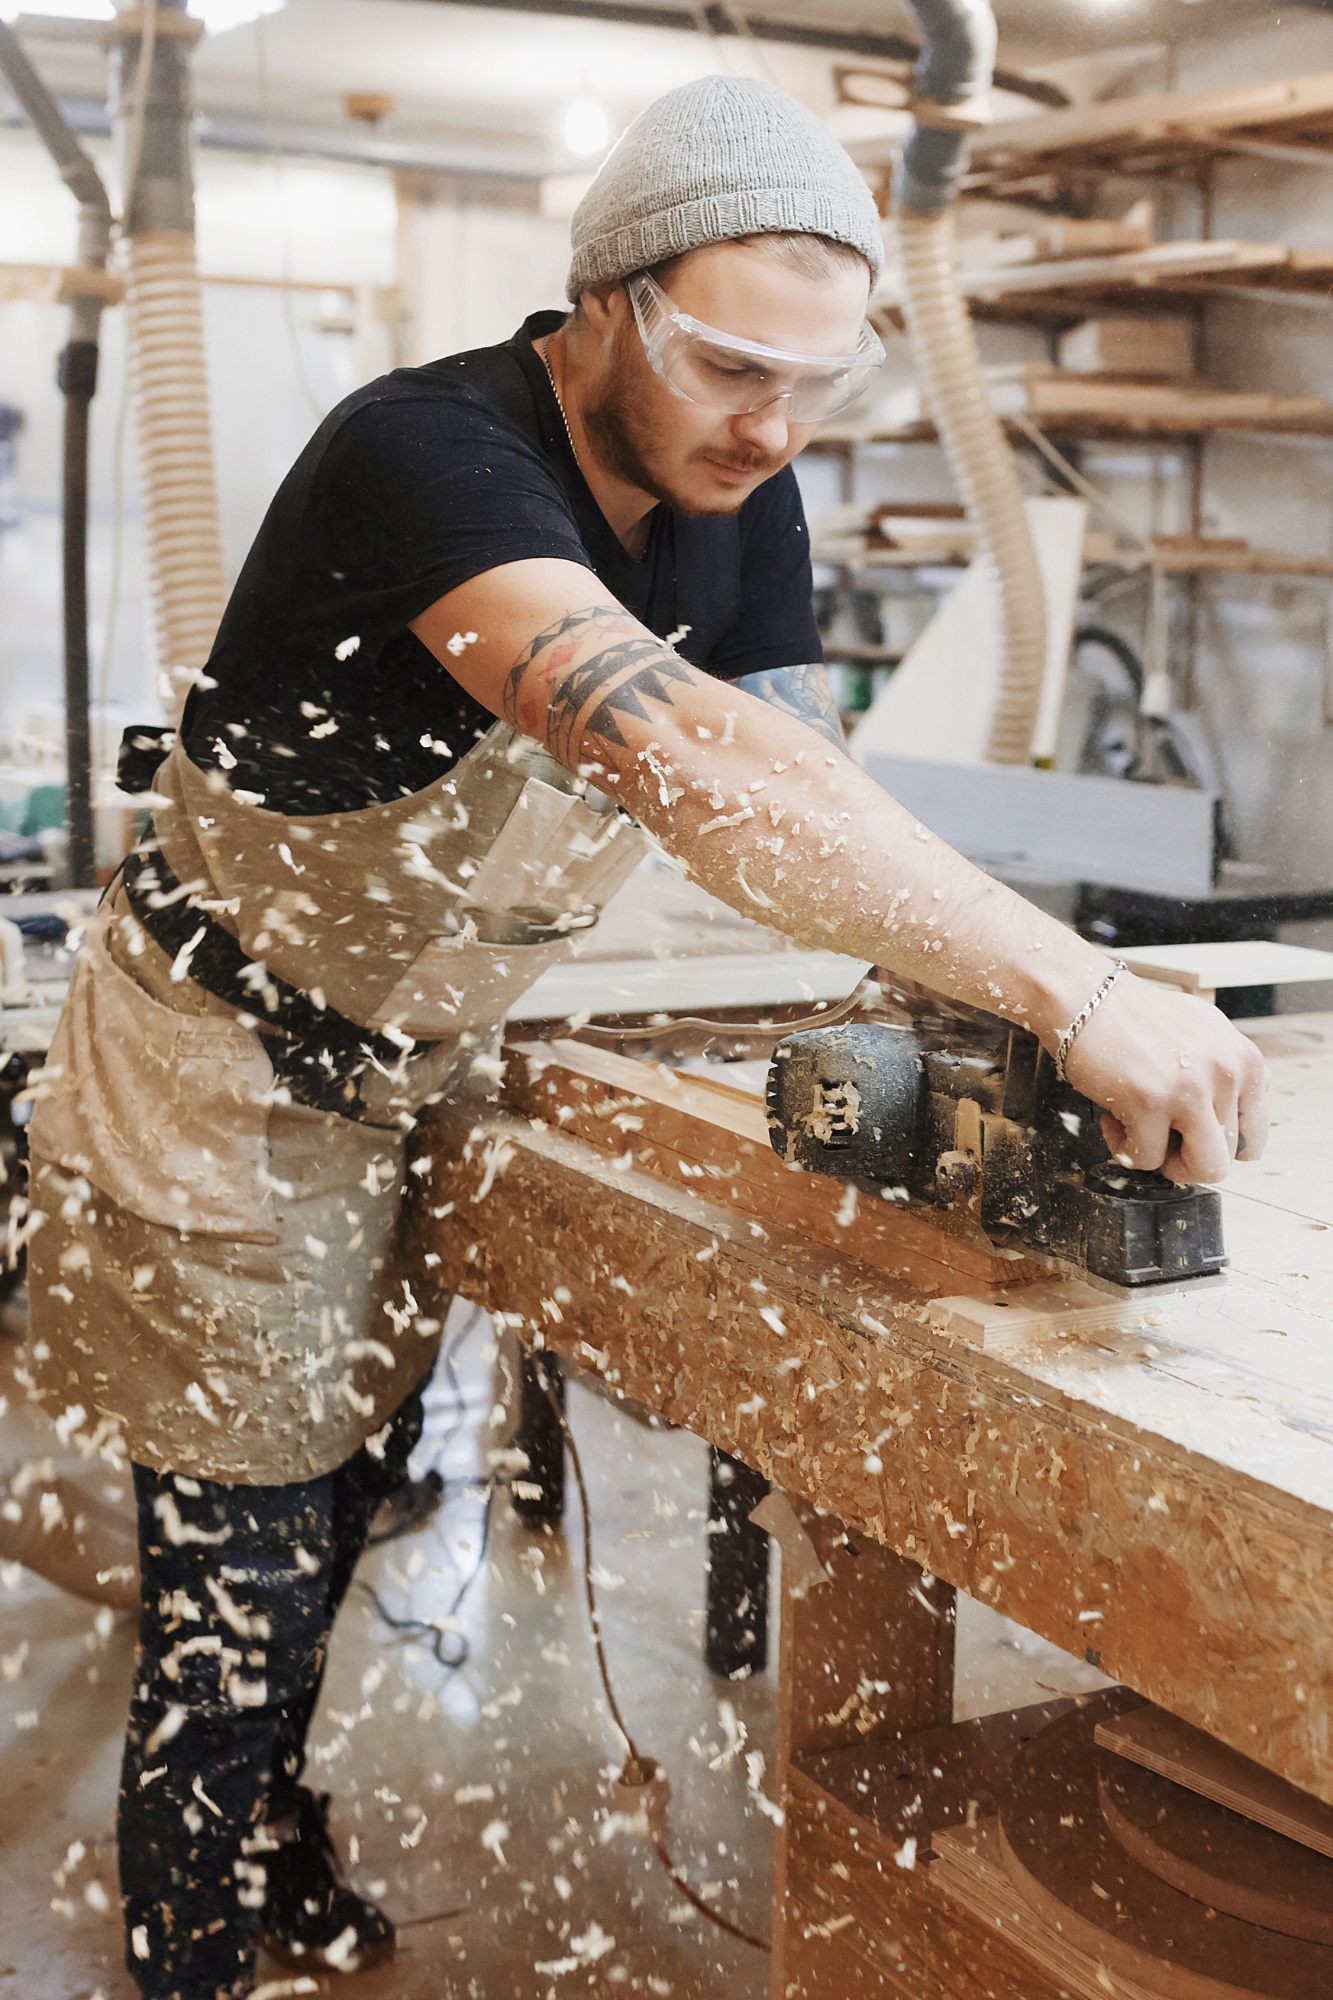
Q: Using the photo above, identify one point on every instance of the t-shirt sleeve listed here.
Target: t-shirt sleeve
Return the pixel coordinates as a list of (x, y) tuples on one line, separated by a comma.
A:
[(414, 497), (775, 625)]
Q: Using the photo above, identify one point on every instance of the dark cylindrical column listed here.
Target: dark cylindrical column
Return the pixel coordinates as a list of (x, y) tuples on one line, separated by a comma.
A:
[(76, 376), (540, 1436), (736, 1595)]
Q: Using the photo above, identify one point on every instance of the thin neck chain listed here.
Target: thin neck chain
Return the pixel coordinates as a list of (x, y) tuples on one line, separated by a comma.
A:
[(546, 359)]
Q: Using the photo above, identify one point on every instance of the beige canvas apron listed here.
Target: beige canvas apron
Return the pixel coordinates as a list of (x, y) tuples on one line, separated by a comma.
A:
[(216, 1273)]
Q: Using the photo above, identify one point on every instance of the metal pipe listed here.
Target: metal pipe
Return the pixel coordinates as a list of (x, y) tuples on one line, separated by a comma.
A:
[(76, 377)]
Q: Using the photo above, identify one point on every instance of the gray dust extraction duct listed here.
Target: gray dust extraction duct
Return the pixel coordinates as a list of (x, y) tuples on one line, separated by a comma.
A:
[(77, 379), (948, 102)]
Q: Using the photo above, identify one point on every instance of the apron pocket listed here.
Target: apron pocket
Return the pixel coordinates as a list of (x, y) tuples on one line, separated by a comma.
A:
[(166, 1113)]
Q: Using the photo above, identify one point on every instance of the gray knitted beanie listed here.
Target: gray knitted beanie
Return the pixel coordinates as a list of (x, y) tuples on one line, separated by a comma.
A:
[(723, 157)]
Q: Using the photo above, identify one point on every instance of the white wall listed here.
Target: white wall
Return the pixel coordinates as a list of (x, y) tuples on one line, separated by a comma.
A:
[(317, 222), (477, 258)]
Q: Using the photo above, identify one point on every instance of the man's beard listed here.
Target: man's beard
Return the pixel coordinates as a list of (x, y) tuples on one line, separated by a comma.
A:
[(623, 434)]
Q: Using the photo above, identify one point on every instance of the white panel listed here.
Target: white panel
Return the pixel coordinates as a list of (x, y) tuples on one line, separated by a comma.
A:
[(1054, 826), (939, 701)]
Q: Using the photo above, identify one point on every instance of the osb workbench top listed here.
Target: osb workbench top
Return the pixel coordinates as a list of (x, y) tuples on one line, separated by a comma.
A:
[(1157, 1493)]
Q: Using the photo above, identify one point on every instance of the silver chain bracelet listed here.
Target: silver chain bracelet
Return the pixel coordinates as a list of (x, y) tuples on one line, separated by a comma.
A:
[(1083, 1016)]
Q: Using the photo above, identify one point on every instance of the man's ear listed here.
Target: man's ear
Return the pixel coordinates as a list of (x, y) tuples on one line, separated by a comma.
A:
[(602, 304)]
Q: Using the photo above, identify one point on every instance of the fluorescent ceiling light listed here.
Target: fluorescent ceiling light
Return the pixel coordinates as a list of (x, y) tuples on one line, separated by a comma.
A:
[(587, 129), (63, 10)]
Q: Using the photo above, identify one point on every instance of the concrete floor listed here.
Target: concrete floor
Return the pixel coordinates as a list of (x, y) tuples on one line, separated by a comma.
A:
[(478, 1799)]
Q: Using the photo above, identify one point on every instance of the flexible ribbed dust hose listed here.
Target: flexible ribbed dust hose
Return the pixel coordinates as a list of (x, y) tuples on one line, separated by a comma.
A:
[(950, 83), (168, 378)]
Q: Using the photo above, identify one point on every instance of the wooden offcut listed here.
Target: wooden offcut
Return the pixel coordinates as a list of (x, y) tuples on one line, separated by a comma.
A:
[(1071, 1872), (1151, 348), (1216, 1856), (1162, 1742)]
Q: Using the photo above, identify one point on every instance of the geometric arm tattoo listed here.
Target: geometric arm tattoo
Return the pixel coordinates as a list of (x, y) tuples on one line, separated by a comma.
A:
[(626, 670), (573, 680), (800, 691)]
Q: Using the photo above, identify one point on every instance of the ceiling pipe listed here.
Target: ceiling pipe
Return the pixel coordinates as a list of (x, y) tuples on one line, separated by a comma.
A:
[(76, 377), (715, 18), (950, 86)]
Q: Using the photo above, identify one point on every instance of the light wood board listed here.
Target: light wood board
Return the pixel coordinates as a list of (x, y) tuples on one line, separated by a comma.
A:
[(1161, 1742)]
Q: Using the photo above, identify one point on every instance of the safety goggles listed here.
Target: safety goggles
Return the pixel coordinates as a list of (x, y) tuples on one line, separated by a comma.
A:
[(738, 376)]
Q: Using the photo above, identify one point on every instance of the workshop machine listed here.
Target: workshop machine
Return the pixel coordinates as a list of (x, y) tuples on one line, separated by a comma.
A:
[(970, 1119)]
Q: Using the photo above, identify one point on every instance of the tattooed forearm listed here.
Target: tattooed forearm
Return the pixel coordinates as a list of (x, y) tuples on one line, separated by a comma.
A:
[(800, 691), (577, 675)]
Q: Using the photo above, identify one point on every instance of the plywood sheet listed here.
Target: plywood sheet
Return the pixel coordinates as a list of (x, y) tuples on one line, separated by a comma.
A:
[(1067, 1868), (1215, 1856), (970, 1872), (1239, 962), (1161, 1742)]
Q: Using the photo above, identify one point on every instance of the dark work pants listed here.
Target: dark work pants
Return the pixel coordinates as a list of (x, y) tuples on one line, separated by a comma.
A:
[(241, 1585)]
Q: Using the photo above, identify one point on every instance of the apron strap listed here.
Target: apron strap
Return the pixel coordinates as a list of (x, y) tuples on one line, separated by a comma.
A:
[(322, 1055)]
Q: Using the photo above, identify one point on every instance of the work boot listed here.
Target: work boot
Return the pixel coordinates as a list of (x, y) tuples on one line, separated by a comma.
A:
[(312, 1921)]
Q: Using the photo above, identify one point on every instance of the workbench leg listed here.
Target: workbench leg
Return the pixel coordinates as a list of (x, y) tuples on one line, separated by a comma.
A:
[(868, 1655), (736, 1586), (540, 1436)]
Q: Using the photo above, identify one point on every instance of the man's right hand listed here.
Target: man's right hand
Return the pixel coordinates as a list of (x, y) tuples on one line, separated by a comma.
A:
[(1184, 1090)]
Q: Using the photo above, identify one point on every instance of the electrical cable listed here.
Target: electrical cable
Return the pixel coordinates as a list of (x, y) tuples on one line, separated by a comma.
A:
[(637, 1768), (820, 1020), (431, 1634)]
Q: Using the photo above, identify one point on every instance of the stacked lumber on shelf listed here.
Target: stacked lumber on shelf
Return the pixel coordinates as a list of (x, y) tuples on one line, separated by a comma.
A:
[(1173, 133), (1092, 406), (1160, 274), (925, 534)]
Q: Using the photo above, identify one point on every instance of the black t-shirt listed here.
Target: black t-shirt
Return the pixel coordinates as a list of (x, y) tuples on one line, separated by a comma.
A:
[(413, 485)]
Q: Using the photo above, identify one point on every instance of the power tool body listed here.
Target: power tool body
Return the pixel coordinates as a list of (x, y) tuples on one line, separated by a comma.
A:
[(970, 1119)]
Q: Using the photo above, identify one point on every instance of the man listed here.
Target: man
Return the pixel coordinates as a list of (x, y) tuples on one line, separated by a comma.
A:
[(591, 532)]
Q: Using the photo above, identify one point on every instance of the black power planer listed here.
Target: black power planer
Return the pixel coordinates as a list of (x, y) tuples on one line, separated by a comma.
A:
[(971, 1119)]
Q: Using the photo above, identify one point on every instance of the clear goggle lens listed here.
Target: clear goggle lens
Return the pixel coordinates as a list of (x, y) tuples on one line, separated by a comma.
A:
[(737, 376)]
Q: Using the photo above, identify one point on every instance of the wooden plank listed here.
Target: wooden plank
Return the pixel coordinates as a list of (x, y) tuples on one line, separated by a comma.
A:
[(1057, 400), (888, 1916), (1167, 129), (1205, 968), (644, 1117), (1097, 1523), (866, 1657), (1161, 1742), (718, 1104), (1012, 1317), (970, 1872), (819, 1965)]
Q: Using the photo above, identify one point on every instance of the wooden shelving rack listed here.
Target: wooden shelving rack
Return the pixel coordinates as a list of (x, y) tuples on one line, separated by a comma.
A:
[(1076, 269)]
